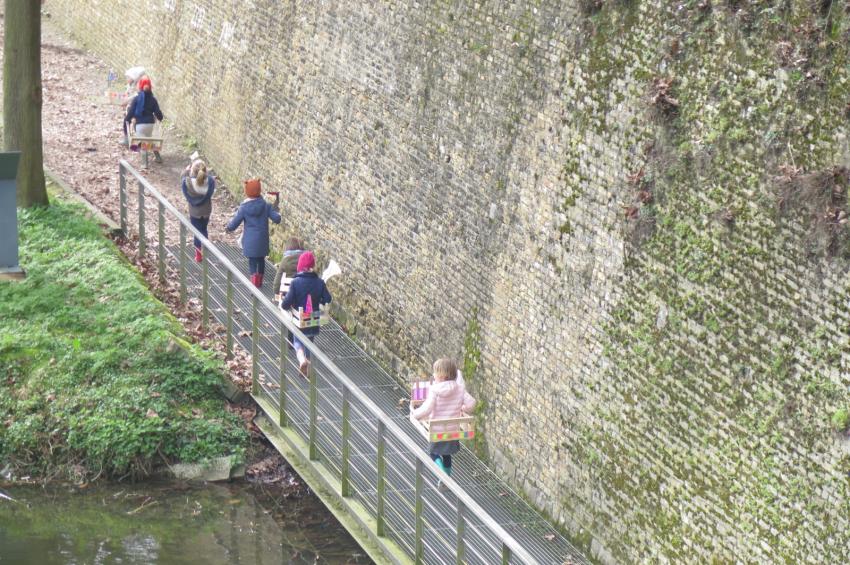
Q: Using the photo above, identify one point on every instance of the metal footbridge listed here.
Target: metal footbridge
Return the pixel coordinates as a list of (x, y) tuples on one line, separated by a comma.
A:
[(342, 428)]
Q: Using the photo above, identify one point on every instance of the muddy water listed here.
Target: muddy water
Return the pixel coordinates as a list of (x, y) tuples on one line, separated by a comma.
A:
[(168, 524)]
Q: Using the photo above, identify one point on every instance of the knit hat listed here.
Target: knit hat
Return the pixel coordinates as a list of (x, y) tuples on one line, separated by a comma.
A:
[(306, 261), (145, 82), (252, 188), (134, 73)]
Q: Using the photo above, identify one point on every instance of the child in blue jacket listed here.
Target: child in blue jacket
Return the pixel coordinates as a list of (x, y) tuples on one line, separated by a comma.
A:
[(256, 213), (144, 112), (306, 283)]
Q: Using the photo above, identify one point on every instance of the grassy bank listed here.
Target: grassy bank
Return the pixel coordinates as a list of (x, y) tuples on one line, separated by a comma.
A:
[(95, 376)]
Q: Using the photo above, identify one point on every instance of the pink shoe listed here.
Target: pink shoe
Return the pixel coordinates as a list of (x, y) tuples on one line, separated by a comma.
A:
[(198, 255)]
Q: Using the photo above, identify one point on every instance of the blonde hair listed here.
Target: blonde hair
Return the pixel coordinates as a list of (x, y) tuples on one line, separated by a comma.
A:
[(199, 171), (445, 368)]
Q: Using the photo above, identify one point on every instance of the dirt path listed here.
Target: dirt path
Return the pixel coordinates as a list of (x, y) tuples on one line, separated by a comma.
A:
[(81, 132)]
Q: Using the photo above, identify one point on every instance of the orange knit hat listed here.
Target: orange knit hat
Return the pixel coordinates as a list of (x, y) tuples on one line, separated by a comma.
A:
[(252, 188)]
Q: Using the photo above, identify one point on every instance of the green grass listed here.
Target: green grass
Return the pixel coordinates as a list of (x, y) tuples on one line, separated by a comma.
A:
[(95, 376)]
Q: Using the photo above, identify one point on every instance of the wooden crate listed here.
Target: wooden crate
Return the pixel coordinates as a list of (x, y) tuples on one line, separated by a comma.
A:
[(146, 143), (442, 429), (116, 96), (313, 319), (446, 429)]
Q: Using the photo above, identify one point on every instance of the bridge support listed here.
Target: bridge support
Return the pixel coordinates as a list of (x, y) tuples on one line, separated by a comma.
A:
[(350, 512)]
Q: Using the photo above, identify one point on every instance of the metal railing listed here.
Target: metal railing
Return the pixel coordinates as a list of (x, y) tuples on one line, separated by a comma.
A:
[(374, 461)]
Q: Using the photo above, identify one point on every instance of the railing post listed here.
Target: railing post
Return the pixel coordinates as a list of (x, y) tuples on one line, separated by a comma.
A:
[(460, 543), (160, 245), (182, 263), (506, 554), (229, 323), (205, 296), (314, 411), (380, 487), (122, 198), (255, 339), (420, 548), (346, 448), (282, 380), (142, 242)]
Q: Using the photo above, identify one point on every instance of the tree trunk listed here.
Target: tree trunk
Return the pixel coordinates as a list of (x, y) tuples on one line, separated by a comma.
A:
[(22, 97)]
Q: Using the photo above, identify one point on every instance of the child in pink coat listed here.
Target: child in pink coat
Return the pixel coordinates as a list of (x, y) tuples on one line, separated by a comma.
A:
[(447, 398)]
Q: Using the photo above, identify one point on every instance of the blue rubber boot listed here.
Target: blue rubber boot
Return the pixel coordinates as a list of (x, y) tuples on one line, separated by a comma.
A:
[(439, 463)]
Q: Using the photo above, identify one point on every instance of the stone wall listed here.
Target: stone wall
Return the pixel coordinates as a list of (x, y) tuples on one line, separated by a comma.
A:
[(626, 217)]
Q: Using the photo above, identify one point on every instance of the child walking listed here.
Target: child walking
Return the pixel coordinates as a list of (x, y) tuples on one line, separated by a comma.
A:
[(133, 74), (447, 398), (288, 266), (144, 111), (306, 285), (256, 213), (198, 188)]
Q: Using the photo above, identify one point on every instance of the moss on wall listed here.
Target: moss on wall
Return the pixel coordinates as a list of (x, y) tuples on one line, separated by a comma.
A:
[(641, 206)]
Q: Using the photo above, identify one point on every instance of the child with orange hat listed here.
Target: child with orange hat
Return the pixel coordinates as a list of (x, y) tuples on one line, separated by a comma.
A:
[(256, 213)]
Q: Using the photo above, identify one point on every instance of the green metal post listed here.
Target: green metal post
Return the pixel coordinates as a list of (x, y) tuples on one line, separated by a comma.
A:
[(282, 381), (460, 544), (160, 245), (314, 412), (182, 263), (122, 198), (205, 297), (506, 554), (420, 548), (229, 314), (255, 339), (381, 487), (346, 448), (142, 242)]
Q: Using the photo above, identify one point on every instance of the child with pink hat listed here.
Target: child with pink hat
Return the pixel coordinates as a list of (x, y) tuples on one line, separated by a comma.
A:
[(306, 286)]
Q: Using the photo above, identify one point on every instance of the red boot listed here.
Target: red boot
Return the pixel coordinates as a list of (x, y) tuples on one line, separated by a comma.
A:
[(259, 280), (198, 255), (255, 279)]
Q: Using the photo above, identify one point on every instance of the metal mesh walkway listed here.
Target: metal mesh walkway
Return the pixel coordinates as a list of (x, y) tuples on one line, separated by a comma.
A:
[(502, 503), (349, 414)]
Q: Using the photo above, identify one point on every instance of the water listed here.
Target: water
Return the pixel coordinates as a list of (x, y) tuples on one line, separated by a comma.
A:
[(167, 524)]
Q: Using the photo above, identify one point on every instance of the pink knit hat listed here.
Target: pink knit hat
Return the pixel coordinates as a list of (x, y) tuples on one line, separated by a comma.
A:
[(306, 261)]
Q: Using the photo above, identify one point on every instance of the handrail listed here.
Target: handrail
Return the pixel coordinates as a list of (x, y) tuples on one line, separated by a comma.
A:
[(510, 544)]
